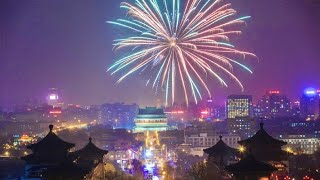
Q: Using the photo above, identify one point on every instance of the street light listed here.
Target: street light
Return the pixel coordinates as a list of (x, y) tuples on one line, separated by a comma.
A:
[(7, 153), (242, 149), (289, 150)]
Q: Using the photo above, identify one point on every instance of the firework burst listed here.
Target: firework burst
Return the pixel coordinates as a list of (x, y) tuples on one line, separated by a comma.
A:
[(181, 46)]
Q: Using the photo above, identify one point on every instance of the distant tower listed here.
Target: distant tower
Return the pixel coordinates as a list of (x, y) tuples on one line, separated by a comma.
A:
[(54, 97), (239, 115), (310, 104), (239, 106), (151, 119), (274, 104)]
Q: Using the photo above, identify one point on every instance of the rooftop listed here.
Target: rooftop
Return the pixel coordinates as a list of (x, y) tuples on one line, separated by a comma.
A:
[(51, 149), (90, 150), (51, 141), (250, 165), (220, 148), (151, 111), (262, 137)]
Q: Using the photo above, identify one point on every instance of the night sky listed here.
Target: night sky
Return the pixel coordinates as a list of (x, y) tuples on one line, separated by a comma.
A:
[(68, 45)]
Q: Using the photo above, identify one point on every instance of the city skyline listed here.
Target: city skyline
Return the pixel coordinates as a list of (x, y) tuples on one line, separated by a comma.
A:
[(55, 44), (160, 89)]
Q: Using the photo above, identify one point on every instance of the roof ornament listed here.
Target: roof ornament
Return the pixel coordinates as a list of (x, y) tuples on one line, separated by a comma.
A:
[(261, 125), (50, 127)]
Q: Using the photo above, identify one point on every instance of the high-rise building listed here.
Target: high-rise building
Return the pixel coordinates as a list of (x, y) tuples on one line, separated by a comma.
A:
[(310, 104), (211, 111), (239, 106), (274, 104), (151, 119), (54, 98), (239, 115), (242, 126)]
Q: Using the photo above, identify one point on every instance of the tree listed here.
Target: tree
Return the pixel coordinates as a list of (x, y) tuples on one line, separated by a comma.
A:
[(185, 162), (198, 172)]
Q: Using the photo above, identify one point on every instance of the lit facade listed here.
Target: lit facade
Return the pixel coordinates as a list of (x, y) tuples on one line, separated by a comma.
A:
[(242, 126), (274, 104), (151, 119), (239, 106), (122, 157), (302, 143), (54, 98), (203, 140), (310, 104)]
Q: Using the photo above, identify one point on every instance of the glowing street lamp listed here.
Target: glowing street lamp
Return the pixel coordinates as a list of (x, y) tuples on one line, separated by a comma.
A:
[(7, 153), (242, 149), (289, 150)]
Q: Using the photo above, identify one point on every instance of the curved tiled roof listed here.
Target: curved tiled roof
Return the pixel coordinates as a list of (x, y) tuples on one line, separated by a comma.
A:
[(90, 150), (250, 164), (151, 111), (51, 140), (220, 148), (262, 137)]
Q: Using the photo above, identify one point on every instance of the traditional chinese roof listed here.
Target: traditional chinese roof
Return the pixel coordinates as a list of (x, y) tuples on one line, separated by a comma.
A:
[(51, 141), (262, 137), (89, 151), (151, 111), (250, 165), (220, 148), (51, 149)]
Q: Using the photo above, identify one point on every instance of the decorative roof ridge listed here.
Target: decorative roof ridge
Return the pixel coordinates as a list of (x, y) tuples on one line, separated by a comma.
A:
[(220, 147), (250, 164), (53, 137), (90, 148), (262, 133)]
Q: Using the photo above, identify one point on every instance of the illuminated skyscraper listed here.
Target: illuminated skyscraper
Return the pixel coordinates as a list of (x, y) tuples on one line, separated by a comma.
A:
[(151, 119), (310, 104), (239, 106), (239, 115), (54, 98), (274, 104)]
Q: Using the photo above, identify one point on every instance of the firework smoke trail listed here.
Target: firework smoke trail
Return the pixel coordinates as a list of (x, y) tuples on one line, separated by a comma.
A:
[(180, 45)]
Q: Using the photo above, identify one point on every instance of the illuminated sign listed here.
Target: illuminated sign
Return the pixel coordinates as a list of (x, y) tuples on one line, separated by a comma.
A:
[(174, 112), (55, 112), (274, 92), (53, 97), (310, 91), (204, 112), (209, 100)]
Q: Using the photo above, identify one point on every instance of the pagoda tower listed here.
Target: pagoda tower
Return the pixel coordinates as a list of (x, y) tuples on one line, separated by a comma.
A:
[(89, 156), (48, 152), (264, 147), (151, 119), (268, 149), (221, 154)]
